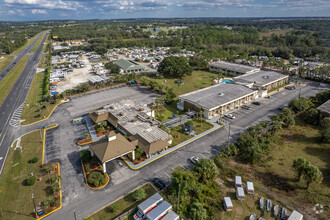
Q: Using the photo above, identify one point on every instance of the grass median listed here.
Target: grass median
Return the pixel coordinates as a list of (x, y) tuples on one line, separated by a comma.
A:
[(5, 61), (15, 191), (122, 205), (38, 43), (9, 81)]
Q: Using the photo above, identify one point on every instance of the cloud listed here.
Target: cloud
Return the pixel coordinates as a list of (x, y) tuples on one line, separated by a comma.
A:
[(45, 4), (38, 11), (137, 5), (11, 12)]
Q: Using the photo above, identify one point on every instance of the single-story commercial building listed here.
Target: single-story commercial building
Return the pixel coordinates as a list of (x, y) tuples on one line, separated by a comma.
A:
[(129, 66), (324, 109), (233, 69), (216, 100), (137, 122), (112, 147), (266, 80), (93, 80)]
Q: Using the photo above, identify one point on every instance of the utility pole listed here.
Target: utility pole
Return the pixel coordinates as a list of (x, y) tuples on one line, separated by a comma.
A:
[(179, 195)]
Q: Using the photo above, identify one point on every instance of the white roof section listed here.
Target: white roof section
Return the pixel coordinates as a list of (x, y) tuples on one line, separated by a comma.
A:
[(228, 202), (234, 67), (159, 210), (238, 180), (249, 186), (260, 78), (217, 95), (171, 216), (295, 216), (97, 79), (151, 201), (240, 192)]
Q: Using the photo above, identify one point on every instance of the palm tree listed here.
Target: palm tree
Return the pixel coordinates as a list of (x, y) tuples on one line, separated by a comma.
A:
[(312, 174), (300, 164)]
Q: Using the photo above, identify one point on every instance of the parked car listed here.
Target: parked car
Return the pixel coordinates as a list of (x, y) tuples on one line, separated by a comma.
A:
[(230, 116), (194, 159), (290, 87), (246, 107), (159, 183), (256, 103)]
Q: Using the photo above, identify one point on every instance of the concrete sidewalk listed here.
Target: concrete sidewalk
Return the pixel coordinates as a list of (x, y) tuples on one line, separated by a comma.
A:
[(92, 129), (170, 150)]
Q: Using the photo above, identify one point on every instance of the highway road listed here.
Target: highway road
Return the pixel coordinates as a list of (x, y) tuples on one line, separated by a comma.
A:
[(18, 57), (12, 107)]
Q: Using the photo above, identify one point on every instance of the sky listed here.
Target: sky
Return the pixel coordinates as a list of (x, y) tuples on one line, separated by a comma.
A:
[(30, 10)]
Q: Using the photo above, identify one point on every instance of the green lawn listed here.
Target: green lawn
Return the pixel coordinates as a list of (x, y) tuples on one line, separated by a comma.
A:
[(197, 80), (276, 177), (5, 62), (38, 43), (32, 107), (126, 203), (15, 198), (8, 82)]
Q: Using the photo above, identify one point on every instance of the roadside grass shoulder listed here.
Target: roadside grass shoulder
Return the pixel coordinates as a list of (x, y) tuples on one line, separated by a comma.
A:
[(5, 62), (15, 197), (34, 110), (8, 82), (125, 204)]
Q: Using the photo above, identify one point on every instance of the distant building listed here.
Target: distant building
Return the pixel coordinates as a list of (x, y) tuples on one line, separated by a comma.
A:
[(262, 79), (232, 68), (324, 109), (129, 66), (216, 100)]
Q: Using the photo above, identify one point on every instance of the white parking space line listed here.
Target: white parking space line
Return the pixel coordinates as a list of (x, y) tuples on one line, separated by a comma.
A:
[(202, 155), (182, 166), (167, 175)]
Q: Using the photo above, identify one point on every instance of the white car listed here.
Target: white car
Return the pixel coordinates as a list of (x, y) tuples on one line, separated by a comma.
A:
[(230, 116), (194, 159)]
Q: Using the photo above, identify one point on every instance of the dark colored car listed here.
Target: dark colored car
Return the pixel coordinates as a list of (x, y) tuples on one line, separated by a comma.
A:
[(246, 107), (159, 183), (256, 103)]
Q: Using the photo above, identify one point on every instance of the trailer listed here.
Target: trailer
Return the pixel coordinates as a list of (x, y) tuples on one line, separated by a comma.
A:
[(171, 216), (147, 206), (276, 208), (250, 188), (262, 203), (238, 181), (228, 205), (240, 193), (283, 213), (295, 216), (253, 216), (269, 205), (159, 212)]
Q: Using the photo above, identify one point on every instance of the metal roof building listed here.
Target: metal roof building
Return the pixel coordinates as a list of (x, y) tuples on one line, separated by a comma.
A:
[(150, 202), (232, 68), (171, 216), (129, 66), (159, 211)]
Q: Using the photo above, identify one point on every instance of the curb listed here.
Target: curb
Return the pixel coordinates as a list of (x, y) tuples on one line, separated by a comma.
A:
[(208, 132), (61, 102), (59, 183), (123, 197), (99, 187)]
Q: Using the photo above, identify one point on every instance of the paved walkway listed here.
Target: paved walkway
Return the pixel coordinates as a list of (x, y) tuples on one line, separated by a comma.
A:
[(92, 129), (170, 150)]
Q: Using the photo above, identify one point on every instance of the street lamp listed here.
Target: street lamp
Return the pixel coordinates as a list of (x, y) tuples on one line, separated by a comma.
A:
[(34, 203)]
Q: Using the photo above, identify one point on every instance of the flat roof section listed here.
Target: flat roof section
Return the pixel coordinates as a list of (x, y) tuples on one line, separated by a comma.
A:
[(153, 200), (234, 67), (260, 77), (216, 95)]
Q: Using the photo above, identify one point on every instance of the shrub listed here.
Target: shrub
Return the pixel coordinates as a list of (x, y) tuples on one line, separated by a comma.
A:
[(34, 160), (115, 207), (85, 155), (30, 181), (96, 183), (88, 168), (139, 194), (95, 175), (103, 181)]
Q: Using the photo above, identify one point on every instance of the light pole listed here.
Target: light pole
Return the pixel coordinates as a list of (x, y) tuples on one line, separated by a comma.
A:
[(34, 203)]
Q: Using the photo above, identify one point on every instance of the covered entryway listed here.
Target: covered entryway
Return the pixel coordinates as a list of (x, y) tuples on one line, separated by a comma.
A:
[(113, 146)]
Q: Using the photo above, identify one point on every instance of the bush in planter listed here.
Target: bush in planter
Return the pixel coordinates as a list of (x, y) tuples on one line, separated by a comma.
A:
[(139, 194), (95, 175), (88, 168), (85, 155), (96, 183), (34, 160), (30, 181), (103, 181)]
